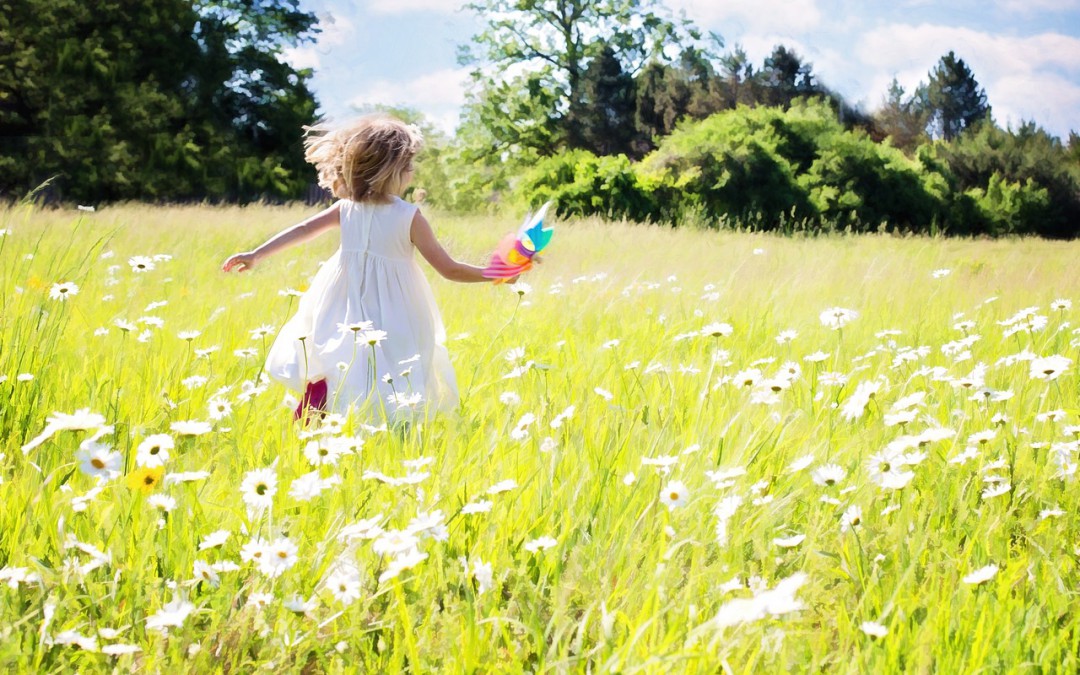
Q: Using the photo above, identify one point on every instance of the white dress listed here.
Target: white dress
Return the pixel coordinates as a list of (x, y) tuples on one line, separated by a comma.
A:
[(371, 278)]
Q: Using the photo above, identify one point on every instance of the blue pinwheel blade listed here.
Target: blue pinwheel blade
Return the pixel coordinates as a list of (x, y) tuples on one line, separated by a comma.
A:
[(533, 233)]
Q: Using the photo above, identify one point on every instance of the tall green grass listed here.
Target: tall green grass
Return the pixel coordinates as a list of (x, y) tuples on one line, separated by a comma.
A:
[(630, 585)]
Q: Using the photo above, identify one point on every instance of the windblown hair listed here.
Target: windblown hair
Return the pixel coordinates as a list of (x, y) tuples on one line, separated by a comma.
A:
[(364, 160)]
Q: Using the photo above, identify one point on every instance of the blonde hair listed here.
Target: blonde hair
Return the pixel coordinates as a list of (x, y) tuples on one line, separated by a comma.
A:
[(364, 160)]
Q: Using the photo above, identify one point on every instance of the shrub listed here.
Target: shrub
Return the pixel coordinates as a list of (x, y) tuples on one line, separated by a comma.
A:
[(582, 184)]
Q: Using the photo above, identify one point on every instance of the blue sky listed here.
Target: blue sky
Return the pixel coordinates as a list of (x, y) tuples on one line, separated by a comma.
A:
[(1025, 53)]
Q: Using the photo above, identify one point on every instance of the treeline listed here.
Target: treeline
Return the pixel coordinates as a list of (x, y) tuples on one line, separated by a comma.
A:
[(156, 100), (609, 107), (800, 169), (620, 110)]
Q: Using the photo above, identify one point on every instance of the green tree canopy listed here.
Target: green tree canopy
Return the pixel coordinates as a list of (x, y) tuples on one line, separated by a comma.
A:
[(163, 99), (608, 95), (903, 118), (550, 44), (955, 100)]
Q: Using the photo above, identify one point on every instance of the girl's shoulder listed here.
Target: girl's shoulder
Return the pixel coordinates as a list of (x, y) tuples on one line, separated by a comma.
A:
[(395, 209), (393, 204), (405, 210), (405, 205)]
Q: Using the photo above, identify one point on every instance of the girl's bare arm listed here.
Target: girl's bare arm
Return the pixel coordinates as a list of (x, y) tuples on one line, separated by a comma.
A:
[(297, 234), (424, 239)]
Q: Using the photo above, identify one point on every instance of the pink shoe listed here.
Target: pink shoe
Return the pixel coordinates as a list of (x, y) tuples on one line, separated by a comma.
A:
[(314, 401)]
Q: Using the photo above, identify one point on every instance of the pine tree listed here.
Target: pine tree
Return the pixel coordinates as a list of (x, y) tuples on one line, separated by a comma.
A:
[(955, 99), (607, 104), (903, 118)]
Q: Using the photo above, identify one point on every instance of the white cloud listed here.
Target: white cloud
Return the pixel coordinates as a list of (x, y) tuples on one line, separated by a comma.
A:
[(902, 45), (443, 87), (301, 57), (439, 95), (407, 6), (1048, 100), (1037, 6), (1024, 77), (756, 16), (334, 29)]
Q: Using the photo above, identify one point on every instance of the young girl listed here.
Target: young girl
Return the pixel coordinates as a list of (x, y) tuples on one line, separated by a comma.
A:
[(367, 333)]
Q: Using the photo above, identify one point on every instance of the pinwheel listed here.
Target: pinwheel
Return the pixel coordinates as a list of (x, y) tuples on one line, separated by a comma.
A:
[(514, 254)]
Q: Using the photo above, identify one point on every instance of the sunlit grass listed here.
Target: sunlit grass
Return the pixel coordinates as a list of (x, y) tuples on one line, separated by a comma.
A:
[(612, 326)]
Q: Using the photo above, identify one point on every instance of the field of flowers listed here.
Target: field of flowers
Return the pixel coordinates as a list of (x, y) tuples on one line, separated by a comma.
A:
[(677, 451)]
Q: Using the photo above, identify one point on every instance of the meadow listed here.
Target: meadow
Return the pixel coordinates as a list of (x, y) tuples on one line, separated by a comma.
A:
[(677, 451)]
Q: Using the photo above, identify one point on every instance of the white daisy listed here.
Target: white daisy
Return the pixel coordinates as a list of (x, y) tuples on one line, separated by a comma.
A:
[(789, 542), (161, 502), (540, 544), (482, 574), (717, 330), (99, 460), (402, 561), (345, 584), (172, 615), (482, 506), (837, 317), (786, 336), (202, 571), (63, 290), (828, 475), (259, 487), (372, 338), (214, 539), (154, 450), (219, 408), (322, 452), (254, 550), (502, 486), (394, 542), (190, 428), (981, 575), (1049, 367), (310, 486), (280, 555), (851, 518), (509, 398), (674, 495), (140, 264)]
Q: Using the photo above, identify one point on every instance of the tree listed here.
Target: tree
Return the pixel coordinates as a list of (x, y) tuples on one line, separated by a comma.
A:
[(248, 92), (955, 99), (1025, 157), (903, 118), (554, 41), (607, 94), (659, 102), (166, 99), (1073, 149), (785, 77), (737, 73), (666, 93)]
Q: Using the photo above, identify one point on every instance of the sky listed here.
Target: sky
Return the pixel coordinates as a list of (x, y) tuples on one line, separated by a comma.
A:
[(1024, 53)]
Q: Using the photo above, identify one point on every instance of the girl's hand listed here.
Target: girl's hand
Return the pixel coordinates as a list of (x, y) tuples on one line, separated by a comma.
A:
[(241, 262)]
